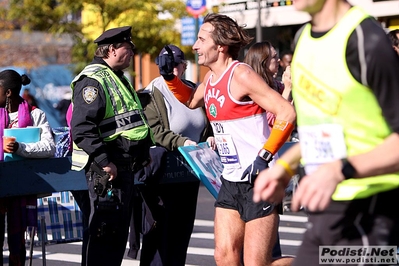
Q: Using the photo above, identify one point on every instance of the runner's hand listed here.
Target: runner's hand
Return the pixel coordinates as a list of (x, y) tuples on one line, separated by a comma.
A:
[(270, 184), (315, 190), (166, 62), (254, 169)]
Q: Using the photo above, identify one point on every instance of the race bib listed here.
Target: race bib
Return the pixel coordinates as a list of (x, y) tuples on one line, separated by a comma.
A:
[(321, 144), (227, 151)]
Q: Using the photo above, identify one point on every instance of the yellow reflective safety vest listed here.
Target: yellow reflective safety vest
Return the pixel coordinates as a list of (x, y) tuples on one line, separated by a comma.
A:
[(336, 115), (123, 116)]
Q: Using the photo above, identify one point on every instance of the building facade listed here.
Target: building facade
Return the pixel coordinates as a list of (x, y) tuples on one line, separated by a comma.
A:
[(278, 21)]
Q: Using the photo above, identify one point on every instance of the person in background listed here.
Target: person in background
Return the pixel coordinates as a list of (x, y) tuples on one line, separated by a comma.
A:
[(111, 141), (235, 99), (29, 98), (174, 125), (62, 107), (284, 61), (15, 112), (81, 197), (262, 57), (68, 119), (394, 37), (348, 124)]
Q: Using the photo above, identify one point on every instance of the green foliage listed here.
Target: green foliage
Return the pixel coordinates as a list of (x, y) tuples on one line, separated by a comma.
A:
[(152, 21)]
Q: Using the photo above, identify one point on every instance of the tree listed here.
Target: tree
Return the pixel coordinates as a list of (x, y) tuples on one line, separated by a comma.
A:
[(152, 21)]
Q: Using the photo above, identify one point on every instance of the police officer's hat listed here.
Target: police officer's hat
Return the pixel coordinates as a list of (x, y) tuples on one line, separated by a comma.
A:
[(115, 35)]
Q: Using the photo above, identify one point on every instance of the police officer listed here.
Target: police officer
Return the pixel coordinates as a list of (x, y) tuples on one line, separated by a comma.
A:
[(111, 142)]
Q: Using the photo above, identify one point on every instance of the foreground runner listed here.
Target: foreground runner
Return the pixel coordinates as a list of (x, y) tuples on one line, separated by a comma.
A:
[(345, 89)]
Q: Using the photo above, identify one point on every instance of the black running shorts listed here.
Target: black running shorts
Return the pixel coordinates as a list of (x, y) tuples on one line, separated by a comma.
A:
[(238, 196)]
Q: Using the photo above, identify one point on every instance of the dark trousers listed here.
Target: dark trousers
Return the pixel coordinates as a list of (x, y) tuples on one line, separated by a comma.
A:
[(19, 217), (2, 232), (16, 244), (167, 244), (364, 222), (108, 229), (83, 200)]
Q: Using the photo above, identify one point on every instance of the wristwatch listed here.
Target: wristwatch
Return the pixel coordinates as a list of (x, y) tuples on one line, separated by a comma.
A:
[(347, 169), (265, 155)]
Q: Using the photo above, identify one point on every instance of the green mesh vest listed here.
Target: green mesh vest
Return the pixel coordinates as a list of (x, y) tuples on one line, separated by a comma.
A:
[(325, 93), (123, 116)]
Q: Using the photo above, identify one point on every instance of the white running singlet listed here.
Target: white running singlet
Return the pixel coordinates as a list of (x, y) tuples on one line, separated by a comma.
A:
[(240, 128)]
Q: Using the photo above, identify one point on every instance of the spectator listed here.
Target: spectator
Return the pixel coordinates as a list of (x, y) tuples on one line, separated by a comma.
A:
[(81, 196), (29, 98), (15, 112), (262, 57), (284, 62), (174, 125), (62, 107), (394, 37)]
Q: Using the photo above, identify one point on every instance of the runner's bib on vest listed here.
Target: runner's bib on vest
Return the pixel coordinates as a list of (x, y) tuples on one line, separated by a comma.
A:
[(321, 144)]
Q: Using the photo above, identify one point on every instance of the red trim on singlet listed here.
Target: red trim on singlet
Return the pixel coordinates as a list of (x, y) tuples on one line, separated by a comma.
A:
[(217, 95)]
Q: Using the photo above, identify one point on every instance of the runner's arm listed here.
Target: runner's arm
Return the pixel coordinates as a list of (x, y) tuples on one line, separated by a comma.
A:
[(381, 67), (270, 100), (181, 91), (382, 64), (271, 183)]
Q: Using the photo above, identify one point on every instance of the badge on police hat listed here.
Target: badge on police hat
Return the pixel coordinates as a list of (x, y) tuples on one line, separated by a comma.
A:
[(90, 94)]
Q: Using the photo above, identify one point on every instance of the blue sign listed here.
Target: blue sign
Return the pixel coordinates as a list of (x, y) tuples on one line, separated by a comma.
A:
[(189, 34), (206, 165), (196, 7)]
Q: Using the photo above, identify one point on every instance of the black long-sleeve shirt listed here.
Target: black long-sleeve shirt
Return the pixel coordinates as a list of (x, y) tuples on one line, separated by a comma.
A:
[(381, 66)]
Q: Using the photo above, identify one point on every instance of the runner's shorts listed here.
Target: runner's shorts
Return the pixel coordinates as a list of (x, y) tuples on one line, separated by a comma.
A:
[(238, 196)]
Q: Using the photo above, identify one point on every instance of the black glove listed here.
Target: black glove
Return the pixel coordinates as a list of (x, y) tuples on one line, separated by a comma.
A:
[(166, 63), (254, 169)]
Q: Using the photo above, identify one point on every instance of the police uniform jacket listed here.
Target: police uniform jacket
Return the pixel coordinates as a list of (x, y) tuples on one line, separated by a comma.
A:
[(86, 117)]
